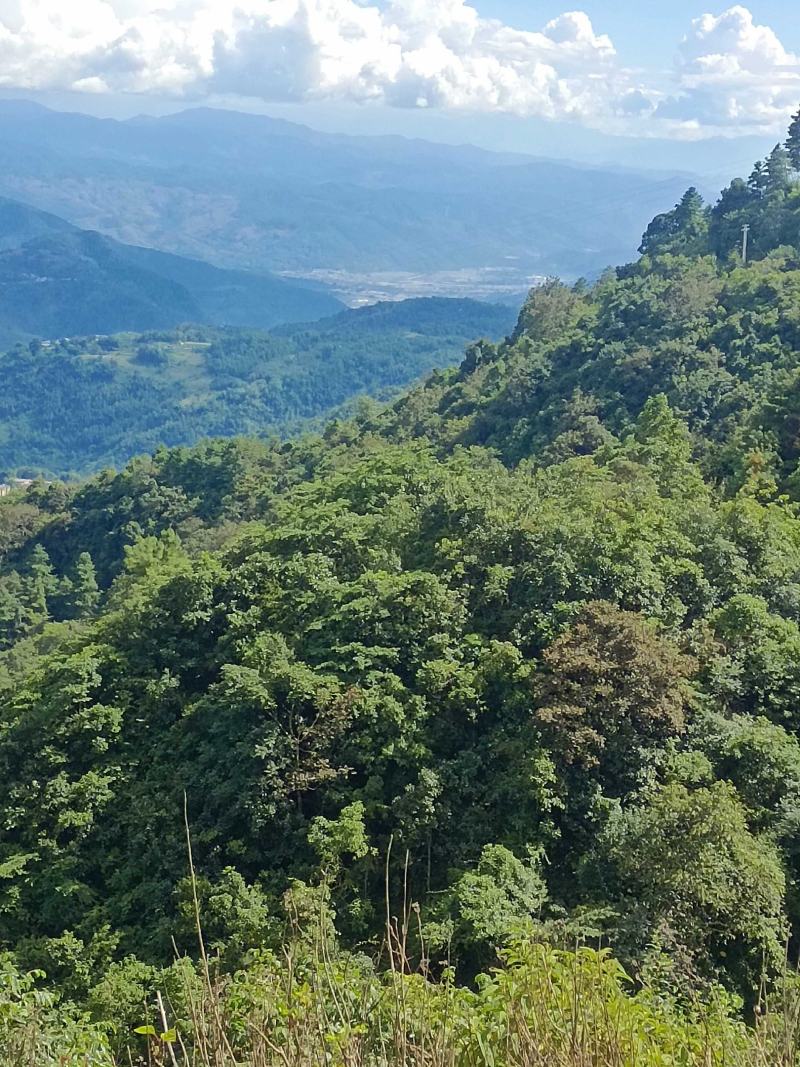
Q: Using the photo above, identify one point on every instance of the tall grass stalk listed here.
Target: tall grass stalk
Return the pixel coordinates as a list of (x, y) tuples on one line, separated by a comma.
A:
[(313, 1005)]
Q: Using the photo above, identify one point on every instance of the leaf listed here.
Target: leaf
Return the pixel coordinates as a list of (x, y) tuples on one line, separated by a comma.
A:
[(15, 865), (148, 1031), (169, 1037), (486, 1051)]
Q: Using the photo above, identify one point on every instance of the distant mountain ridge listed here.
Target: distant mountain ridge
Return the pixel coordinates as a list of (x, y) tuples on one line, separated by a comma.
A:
[(255, 193), (57, 280), (20, 223)]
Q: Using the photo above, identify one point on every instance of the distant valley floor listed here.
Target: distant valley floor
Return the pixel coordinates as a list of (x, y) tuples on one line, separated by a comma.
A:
[(507, 284)]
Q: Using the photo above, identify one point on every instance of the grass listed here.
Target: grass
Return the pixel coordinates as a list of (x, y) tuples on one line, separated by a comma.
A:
[(313, 1005)]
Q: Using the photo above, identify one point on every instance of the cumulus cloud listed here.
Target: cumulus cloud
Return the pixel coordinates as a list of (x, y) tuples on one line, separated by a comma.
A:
[(404, 53), (91, 44), (407, 53), (733, 73)]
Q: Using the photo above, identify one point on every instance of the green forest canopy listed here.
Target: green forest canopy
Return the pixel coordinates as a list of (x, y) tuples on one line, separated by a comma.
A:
[(71, 407), (532, 633)]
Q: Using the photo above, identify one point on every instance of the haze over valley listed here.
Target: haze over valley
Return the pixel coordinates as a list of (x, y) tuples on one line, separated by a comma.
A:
[(372, 216)]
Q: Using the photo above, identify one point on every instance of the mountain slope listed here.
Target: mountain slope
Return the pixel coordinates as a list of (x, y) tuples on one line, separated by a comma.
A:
[(520, 653), (56, 280), (85, 403), (719, 338), (20, 223)]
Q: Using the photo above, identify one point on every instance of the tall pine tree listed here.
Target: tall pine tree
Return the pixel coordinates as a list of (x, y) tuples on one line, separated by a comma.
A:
[(779, 171), (758, 180), (40, 585), (85, 591), (793, 142)]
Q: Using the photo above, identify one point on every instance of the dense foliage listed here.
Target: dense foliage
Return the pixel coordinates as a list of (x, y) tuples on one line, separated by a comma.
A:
[(315, 1004), (75, 405), (523, 650)]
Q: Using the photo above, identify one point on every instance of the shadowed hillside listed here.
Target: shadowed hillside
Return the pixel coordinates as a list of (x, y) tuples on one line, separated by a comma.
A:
[(58, 281)]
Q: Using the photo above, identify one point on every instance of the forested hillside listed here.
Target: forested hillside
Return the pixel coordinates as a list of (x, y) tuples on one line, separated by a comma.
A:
[(73, 406), (513, 665)]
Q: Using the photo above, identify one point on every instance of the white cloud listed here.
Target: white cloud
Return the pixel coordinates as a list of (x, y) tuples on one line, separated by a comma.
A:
[(404, 52), (89, 44), (731, 73)]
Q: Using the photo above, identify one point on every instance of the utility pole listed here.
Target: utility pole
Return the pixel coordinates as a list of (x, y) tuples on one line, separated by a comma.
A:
[(745, 232)]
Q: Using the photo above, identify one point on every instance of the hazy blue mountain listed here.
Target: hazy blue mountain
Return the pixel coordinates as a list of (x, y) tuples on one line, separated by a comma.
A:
[(20, 223), (57, 280), (256, 193)]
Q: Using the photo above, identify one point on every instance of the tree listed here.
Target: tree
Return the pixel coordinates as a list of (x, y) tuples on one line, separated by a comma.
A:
[(487, 906), (734, 197), (760, 671), (662, 442), (14, 616), (237, 918), (686, 861), (758, 181), (793, 142), (41, 584), (682, 231), (85, 591), (18, 522), (332, 839), (612, 689), (779, 171), (551, 311), (151, 356), (691, 210), (737, 205), (762, 760)]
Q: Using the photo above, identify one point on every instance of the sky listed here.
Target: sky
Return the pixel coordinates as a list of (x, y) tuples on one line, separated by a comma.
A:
[(520, 73), (647, 31)]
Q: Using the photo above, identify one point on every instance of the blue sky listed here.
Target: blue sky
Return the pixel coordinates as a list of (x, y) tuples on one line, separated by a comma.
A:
[(533, 76), (646, 31)]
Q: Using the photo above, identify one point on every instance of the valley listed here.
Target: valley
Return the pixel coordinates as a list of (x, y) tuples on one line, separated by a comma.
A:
[(508, 284), (246, 192), (57, 280)]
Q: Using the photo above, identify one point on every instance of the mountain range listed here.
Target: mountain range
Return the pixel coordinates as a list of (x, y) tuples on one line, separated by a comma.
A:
[(249, 192), (521, 649), (349, 748)]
